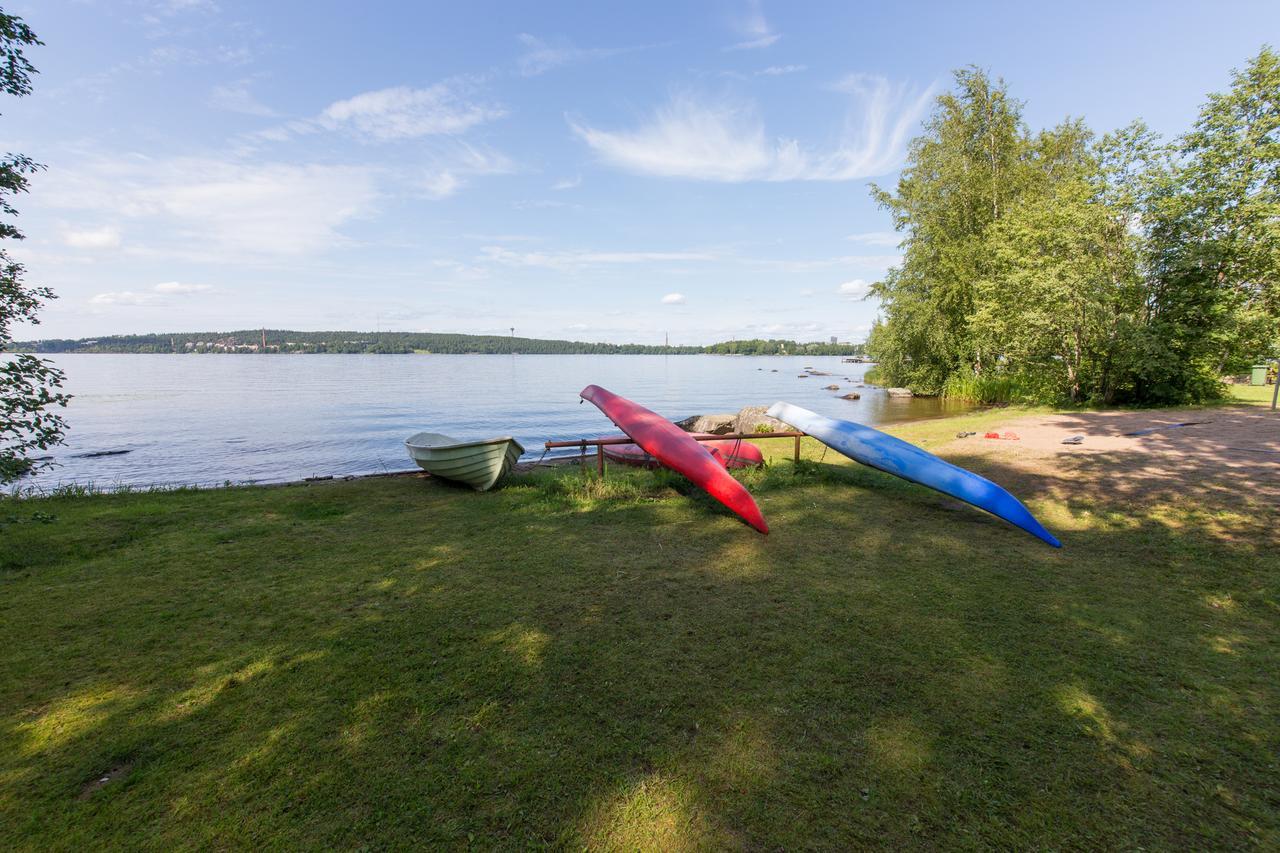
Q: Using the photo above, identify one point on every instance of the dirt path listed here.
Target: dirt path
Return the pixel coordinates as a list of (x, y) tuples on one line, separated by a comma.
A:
[(1231, 452)]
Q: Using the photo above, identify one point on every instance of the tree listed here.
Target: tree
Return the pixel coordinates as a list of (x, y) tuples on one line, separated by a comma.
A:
[(1064, 275), (1213, 248), (962, 175), (28, 385)]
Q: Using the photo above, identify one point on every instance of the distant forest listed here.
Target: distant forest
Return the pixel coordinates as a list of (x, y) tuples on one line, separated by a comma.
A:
[(284, 341)]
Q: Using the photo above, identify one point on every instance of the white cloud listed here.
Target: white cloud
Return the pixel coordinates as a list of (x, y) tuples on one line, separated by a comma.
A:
[(876, 238), (438, 185), (124, 297), (568, 183), (106, 237), (779, 70), (202, 207), (179, 287), (174, 7), (541, 56), (570, 261), (402, 112), (855, 289), (236, 98), (156, 296), (673, 299), (453, 166), (727, 142), (754, 28)]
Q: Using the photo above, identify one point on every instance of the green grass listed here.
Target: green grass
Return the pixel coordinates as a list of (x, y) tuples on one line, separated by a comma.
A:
[(1251, 393), (984, 389), (621, 664)]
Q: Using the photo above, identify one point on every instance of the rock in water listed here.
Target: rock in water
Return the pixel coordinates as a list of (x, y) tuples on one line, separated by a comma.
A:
[(830, 387), (714, 424), (753, 419), (852, 395), (900, 392)]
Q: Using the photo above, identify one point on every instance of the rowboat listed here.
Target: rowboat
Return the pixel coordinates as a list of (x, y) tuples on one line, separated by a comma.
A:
[(675, 449), (479, 464), (731, 452), (895, 456)]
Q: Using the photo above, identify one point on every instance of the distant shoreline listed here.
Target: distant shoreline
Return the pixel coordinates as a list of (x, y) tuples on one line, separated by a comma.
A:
[(286, 341)]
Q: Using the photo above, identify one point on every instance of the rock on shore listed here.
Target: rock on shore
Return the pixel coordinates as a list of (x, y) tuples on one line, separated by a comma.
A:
[(714, 424), (899, 392), (754, 419)]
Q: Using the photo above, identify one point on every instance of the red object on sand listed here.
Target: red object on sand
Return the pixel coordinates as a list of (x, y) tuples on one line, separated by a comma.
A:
[(1007, 436), (730, 452), (673, 447)]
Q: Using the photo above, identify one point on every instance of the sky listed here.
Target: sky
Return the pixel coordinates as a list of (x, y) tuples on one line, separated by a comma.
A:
[(593, 171)]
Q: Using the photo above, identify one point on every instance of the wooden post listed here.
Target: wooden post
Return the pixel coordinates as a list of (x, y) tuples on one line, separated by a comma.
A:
[(1275, 392), (600, 460), (797, 459)]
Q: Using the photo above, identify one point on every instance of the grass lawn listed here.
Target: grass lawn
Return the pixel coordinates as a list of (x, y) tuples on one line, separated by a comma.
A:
[(1251, 393), (563, 662)]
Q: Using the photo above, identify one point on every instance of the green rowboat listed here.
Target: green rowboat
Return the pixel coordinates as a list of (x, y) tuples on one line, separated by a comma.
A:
[(479, 464)]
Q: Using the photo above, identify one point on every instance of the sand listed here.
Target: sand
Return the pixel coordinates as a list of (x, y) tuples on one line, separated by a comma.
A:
[(1231, 451)]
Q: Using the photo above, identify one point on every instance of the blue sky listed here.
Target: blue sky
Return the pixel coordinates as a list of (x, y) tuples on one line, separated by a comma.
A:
[(590, 171)]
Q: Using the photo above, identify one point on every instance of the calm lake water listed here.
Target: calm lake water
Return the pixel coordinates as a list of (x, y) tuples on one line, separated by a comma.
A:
[(207, 419)]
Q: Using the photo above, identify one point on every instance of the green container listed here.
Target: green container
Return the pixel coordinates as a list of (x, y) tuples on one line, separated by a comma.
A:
[(1259, 375)]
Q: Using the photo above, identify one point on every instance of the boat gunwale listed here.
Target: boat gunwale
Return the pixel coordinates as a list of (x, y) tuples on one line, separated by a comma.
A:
[(463, 444)]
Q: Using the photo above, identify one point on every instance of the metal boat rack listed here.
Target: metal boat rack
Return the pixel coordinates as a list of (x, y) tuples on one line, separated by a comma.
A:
[(600, 443)]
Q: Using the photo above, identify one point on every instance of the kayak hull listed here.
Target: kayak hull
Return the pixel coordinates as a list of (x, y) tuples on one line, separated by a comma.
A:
[(895, 456), (674, 449), (731, 453)]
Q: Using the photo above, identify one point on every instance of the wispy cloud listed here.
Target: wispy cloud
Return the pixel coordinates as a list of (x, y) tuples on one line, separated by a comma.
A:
[(542, 55), (182, 288), (402, 112), (779, 70), (568, 183), (236, 98), (106, 237), (155, 296), (674, 299), (570, 261), (191, 206), (876, 238), (726, 141), (177, 7), (870, 264), (754, 28), (854, 290), (451, 167)]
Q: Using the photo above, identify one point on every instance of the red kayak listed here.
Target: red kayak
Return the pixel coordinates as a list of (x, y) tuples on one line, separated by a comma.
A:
[(729, 452), (673, 447)]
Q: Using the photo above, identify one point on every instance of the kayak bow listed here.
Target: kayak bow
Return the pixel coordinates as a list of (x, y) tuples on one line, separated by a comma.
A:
[(895, 456), (673, 447)]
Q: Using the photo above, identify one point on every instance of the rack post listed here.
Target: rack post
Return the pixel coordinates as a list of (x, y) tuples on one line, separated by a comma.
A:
[(600, 460), (1275, 392), (797, 457)]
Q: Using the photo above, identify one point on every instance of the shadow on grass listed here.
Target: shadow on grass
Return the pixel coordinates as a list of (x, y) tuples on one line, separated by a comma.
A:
[(576, 664)]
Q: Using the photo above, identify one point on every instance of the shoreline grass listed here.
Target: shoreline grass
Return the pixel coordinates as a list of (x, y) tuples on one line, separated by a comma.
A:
[(572, 662)]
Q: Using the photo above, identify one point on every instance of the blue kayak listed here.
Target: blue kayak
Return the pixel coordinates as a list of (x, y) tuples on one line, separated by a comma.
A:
[(895, 456)]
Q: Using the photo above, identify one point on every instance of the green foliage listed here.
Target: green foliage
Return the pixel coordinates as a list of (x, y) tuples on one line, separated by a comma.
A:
[(1068, 268), (986, 388), (961, 175), (28, 385)]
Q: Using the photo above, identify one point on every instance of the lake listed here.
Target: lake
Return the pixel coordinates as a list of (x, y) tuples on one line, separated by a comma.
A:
[(209, 419)]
